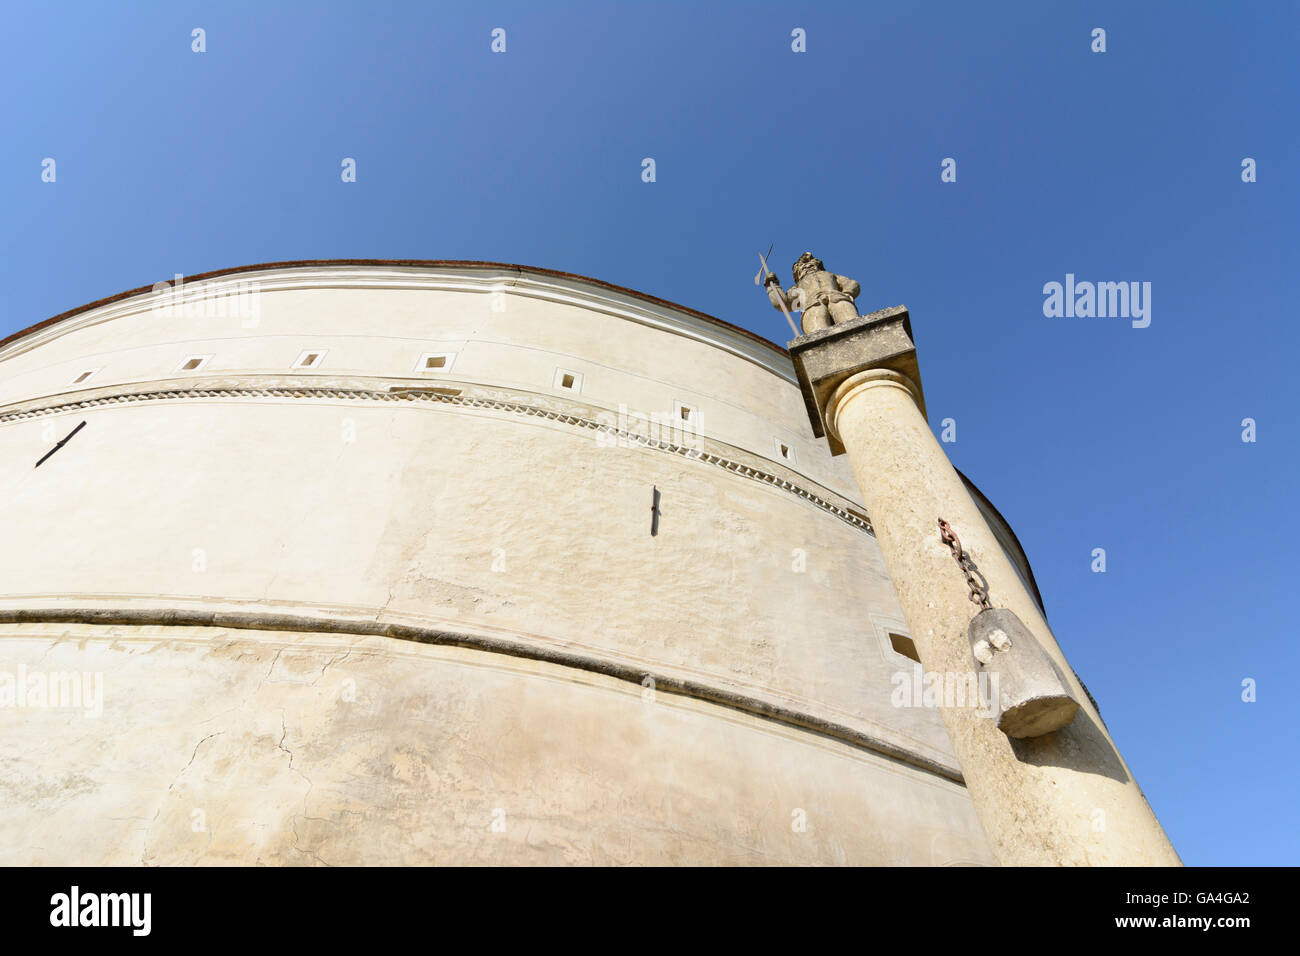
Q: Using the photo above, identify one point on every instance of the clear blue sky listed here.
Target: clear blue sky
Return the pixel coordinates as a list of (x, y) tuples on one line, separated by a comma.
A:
[(1122, 166)]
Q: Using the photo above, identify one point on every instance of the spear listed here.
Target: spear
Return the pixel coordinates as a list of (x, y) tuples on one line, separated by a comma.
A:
[(766, 276)]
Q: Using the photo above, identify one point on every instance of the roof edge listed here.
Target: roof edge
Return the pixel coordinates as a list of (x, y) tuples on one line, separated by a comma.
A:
[(479, 264), (417, 263)]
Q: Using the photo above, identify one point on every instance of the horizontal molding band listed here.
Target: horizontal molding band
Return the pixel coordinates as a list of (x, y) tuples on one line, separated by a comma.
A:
[(446, 395), (260, 621)]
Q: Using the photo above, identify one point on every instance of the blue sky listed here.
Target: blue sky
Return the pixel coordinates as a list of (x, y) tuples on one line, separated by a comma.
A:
[(1115, 166)]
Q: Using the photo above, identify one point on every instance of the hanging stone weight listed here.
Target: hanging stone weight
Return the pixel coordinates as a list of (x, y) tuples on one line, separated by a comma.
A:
[(1033, 697)]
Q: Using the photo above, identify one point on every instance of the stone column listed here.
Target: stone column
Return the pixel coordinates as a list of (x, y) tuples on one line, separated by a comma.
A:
[(1066, 798)]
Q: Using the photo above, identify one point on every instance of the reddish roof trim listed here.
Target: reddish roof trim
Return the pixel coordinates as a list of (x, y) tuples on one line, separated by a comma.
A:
[(442, 263)]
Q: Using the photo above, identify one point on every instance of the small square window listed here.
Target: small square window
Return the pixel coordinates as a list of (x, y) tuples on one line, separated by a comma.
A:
[(193, 363), (685, 414), (310, 359), (84, 376), (784, 451), (435, 362), (568, 380), (904, 645)]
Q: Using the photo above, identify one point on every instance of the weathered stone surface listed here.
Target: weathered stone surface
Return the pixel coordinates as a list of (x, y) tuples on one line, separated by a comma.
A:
[(825, 358), (239, 747), (824, 298), (1066, 798)]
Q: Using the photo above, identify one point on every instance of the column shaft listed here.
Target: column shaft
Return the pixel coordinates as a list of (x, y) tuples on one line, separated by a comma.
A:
[(1066, 798)]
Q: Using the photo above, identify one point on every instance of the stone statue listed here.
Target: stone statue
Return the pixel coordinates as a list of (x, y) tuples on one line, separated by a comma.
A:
[(824, 298)]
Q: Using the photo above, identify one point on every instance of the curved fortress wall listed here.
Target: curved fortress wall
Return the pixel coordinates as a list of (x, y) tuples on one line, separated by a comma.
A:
[(362, 560)]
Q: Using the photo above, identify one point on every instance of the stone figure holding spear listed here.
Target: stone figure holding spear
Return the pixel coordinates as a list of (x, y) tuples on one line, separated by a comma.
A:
[(824, 298)]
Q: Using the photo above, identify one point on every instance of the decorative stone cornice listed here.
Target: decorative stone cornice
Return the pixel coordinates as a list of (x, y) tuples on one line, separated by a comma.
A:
[(456, 394)]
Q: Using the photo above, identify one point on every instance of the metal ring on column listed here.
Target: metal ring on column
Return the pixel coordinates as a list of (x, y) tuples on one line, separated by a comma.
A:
[(859, 381)]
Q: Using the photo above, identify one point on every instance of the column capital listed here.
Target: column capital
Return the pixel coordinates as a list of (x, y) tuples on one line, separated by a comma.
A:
[(825, 359), (858, 382)]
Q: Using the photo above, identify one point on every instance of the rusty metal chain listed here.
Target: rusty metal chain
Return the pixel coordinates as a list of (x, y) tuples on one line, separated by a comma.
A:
[(979, 590)]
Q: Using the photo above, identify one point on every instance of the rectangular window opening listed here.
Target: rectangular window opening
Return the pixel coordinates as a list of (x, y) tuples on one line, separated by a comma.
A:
[(310, 358), (193, 362), (435, 362), (567, 380), (904, 645), (82, 377), (686, 416)]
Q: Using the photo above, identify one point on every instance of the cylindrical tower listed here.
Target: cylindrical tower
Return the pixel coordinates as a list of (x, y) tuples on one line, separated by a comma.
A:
[(444, 562)]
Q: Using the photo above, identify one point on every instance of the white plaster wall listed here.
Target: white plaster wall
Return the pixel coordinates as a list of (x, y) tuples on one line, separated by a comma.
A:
[(284, 749), (478, 520), (747, 397)]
